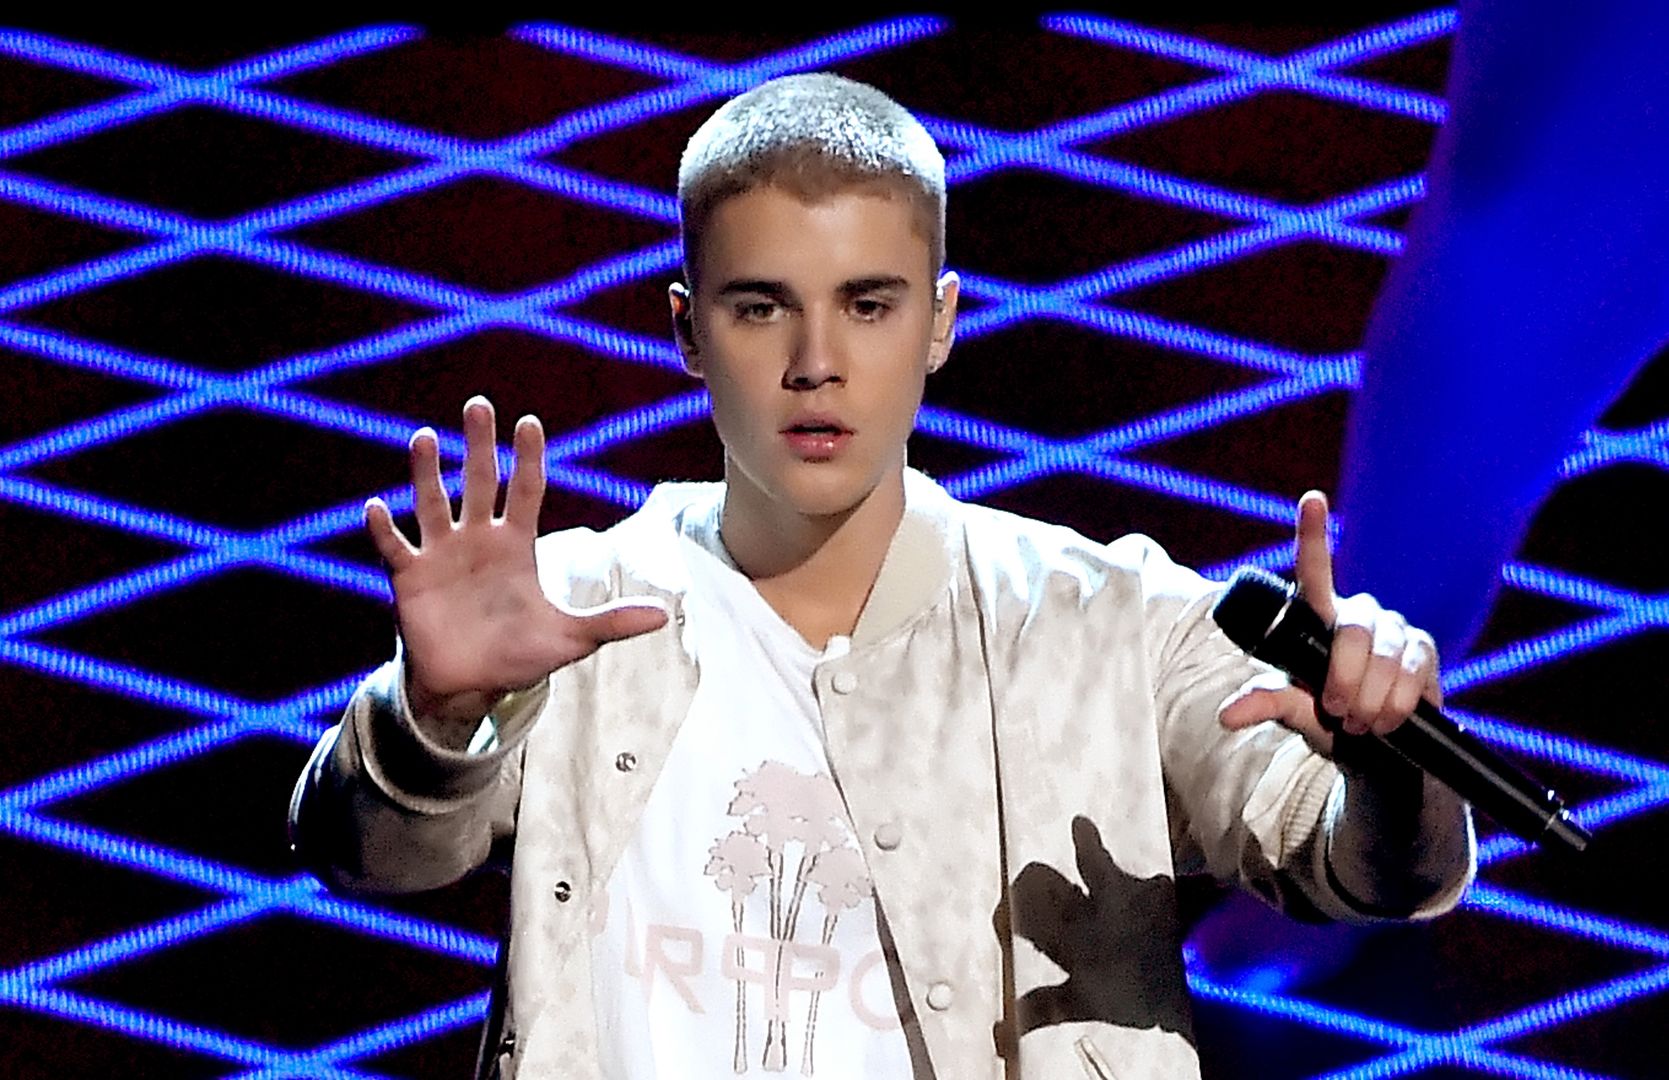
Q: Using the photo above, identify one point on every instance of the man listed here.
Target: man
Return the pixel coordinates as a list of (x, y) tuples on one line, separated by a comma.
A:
[(836, 773)]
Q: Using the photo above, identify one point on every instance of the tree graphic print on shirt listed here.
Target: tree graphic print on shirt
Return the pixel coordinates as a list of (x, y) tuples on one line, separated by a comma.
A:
[(787, 818)]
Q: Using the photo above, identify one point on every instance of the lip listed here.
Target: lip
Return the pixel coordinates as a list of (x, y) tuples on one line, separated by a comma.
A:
[(818, 445)]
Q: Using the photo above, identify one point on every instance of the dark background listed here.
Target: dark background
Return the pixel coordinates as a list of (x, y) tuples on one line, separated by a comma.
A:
[(191, 423)]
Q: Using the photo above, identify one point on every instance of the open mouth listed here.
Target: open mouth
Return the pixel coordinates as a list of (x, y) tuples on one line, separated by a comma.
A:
[(816, 438)]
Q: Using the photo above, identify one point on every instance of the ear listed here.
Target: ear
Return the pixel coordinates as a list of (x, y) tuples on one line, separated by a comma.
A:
[(683, 326), (944, 320)]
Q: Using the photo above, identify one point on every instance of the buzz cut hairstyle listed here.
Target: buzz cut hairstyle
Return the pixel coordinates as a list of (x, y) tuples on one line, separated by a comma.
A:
[(812, 135)]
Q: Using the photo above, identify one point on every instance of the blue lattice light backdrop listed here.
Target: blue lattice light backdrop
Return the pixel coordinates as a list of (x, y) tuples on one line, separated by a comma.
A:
[(233, 285)]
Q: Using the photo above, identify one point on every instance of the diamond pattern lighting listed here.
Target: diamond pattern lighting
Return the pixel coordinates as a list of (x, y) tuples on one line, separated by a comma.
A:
[(229, 317)]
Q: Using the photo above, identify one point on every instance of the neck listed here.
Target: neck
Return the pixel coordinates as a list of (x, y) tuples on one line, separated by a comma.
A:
[(816, 571)]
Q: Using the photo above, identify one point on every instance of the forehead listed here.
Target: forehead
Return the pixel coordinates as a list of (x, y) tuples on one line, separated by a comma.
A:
[(768, 233)]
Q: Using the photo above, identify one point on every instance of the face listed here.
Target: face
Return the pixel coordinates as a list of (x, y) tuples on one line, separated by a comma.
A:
[(815, 326)]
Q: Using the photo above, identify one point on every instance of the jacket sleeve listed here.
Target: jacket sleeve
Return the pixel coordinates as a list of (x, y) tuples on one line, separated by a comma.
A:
[(383, 807), (1359, 838)]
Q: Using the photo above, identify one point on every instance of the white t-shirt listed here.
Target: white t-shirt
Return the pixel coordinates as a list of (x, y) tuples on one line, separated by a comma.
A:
[(740, 934)]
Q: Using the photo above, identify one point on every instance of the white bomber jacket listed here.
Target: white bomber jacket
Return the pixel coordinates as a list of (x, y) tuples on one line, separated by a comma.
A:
[(1028, 719)]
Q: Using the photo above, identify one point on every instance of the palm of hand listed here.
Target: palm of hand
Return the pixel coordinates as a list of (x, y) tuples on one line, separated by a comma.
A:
[(473, 618)]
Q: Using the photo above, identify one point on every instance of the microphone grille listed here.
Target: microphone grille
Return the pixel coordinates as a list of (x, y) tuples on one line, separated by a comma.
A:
[(1250, 605)]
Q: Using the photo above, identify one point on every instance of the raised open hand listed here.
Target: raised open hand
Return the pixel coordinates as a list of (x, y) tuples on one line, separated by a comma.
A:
[(474, 621), (1380, 666)]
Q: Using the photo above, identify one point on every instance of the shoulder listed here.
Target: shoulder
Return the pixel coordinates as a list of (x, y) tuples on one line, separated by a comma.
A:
[(635, 556), (1031, 557)]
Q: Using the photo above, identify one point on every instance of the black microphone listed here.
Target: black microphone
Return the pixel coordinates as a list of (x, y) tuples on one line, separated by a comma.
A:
[(1265, 616)]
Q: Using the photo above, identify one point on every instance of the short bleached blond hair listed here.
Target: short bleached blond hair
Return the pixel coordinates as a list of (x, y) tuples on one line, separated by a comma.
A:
[(813, 135)]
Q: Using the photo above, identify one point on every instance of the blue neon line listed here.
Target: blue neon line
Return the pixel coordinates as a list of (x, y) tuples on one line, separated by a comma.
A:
[(294, 59), (85, 120), (1277, 558), (377, 1040), (104, 429), (85, 59), (617, 52), (430, 1022), (1147, 476), (1398, 1064), (1563, 585), (1297, 72), (1257, 74), (1322, 1017), (1549, 747), (140, 941), (88, 206), (406, 929), (1533, 652), (132, 854), (1464, 1055), (101, 271), (1570, 1006), (1209, 344), (1188, 419), (367, 351), (1374, 199), (353, 197), (1592, 816), (170, 87), (332, 696), (330, 121), (1602, 448), (333, 572), (345, 270), (100, 511), (121, 679), (615, 344), (623, 427), (1534, 912), (617, 195), (1395, 100), (1161, 43), (1380, 40), (1135, 273), (974, 431), (599, 119), (606, 274), (77, 780), (1493, 1061), (143, 1025), (116, 591), (73, 352)]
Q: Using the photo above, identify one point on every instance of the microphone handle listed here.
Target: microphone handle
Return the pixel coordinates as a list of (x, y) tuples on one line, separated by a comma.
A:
[(1439, 745)]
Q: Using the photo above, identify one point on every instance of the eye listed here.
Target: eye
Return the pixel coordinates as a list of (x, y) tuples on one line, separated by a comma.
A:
[(869, 309), (757, 311)]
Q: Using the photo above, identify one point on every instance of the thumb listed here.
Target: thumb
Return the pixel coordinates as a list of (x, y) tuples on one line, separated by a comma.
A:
[(620, 619), (1265, 696)]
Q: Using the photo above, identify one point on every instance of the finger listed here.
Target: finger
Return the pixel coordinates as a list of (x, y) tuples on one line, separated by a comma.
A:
[(622, 619), (1315, 558), (1352, 645), (1417, 676), (527, 483), (392, 544), (1263, 697), (434, 510), (480, 461), (1291, 707), (1371, 708)]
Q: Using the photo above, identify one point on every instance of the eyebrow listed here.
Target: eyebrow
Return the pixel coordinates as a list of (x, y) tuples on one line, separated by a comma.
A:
[(779, 289)]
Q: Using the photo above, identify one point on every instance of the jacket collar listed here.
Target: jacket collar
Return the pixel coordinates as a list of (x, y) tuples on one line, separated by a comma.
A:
[(915, 572)]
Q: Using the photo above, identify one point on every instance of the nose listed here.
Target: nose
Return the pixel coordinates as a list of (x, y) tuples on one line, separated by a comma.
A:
[(817, 353)]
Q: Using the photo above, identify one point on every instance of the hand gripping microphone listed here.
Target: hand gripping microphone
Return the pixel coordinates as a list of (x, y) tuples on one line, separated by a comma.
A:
[(1264, 615)]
